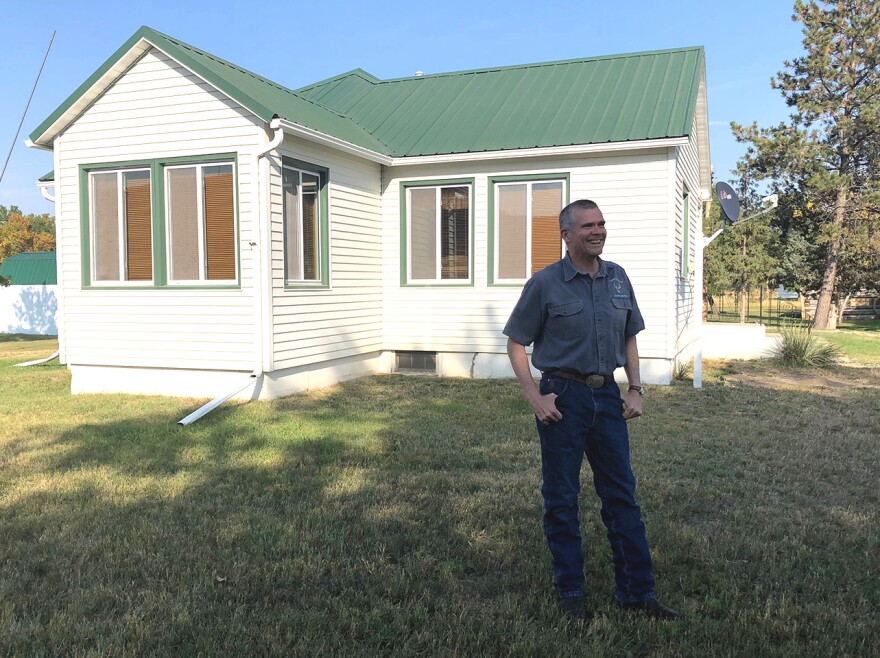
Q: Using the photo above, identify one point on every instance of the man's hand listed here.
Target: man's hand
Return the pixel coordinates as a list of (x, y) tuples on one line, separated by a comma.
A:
[(632, 405), (545, 409)]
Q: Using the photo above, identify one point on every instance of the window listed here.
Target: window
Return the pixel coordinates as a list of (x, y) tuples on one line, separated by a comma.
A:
[(200, 215), (438, 226), (424, 362), (526, 225), (159, 222), (121, 226), (685, 238), (305, 227)]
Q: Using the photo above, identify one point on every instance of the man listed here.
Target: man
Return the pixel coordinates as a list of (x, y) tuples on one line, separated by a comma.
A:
[(581, 314)]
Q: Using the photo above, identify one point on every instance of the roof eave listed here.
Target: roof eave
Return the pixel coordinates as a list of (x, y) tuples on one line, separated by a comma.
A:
[(334, 142), (116, 66), (95, 85), (542, 151)]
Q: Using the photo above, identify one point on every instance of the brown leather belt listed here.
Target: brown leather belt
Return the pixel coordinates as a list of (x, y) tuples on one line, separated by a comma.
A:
[(593, 381)]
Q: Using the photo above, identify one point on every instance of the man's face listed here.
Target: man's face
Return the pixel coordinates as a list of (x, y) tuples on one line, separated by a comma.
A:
[(586, 238)]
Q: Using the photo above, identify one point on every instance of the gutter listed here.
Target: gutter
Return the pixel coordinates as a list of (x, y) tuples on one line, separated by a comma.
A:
[(255, 244), (44, 190)]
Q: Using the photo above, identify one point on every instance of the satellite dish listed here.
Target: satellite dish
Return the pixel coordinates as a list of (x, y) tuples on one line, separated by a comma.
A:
[(728, 200)]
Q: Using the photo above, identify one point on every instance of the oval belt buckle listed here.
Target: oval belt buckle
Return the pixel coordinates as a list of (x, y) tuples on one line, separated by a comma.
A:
[(595, 381)]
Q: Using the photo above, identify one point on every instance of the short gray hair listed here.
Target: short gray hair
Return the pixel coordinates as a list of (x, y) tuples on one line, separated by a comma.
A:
[(566, 217)]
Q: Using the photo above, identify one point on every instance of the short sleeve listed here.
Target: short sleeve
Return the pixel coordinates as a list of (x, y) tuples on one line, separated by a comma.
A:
[(635, 322), (526, 322)]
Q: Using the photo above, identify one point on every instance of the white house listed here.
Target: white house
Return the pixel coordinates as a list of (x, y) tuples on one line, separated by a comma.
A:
[(212, 223)]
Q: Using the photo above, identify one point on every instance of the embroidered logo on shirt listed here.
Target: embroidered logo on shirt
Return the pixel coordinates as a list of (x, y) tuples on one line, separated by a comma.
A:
[(618, 287)]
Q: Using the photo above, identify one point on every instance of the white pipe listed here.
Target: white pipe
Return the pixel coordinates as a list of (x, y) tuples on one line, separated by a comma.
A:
[(274, 124), (772, 202), (698, 303), (46, 195), (216, 402), (37, 362)]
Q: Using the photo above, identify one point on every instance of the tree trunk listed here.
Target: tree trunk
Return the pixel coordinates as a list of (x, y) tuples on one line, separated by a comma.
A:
[(822, 318), (842, 309), (743, 297)]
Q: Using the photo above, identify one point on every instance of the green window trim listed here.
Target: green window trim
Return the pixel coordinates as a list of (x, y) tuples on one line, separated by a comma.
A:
[(404, 232), (323, 282), (159, 232), (492, 228)]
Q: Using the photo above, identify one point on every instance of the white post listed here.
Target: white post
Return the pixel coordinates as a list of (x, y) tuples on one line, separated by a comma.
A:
[(698, 303)]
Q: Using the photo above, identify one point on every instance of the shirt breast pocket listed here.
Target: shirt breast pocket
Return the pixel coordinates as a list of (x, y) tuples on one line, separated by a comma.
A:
[(566, 320), (622, 309)]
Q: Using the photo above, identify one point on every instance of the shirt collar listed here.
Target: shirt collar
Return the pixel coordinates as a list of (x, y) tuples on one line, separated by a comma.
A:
[(571, 271)]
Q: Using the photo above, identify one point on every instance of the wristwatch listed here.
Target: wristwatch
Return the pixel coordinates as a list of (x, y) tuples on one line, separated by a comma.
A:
[(640, 389)]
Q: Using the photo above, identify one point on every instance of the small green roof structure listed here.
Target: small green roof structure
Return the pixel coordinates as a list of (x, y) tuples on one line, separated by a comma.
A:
[(30, 269)]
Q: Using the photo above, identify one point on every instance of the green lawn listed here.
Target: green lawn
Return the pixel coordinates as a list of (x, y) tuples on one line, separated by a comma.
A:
[(401, 516), (860, 340)]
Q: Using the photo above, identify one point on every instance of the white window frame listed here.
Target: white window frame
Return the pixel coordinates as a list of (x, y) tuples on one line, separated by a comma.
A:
[(438, 261), (200, 209), (288, 280), (121, 229), (497, 219)]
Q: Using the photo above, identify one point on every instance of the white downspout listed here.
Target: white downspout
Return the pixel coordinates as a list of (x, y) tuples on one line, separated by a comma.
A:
[(699, 246), (46, 194), (261, 247), (37, 362), (259, 238)]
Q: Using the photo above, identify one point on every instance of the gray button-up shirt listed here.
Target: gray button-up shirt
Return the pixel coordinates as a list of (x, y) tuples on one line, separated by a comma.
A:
[(577, 323)]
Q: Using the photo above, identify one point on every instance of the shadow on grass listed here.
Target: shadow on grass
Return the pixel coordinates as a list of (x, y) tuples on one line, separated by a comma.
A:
[(402, 516), (18, 338), (355, 516), (870, 326)]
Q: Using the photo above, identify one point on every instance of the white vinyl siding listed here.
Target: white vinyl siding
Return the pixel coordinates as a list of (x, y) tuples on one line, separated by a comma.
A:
[(630, 189), (157, 110), (312, 325), (688, 223)]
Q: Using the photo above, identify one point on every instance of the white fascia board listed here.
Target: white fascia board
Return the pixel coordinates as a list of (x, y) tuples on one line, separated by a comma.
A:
[(89, 96), (348, 147), (39, 147), (574, 149), (334, 142)]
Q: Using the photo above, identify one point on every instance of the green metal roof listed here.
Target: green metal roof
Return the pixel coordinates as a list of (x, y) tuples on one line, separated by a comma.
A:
[(48, 177), (33, 269), (638, 96), (619, 98), (261, 96)]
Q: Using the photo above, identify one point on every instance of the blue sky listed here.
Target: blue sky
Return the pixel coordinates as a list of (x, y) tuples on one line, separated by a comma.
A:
[(295, 43)]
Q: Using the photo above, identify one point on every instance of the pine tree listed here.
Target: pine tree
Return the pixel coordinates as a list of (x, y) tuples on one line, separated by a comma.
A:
[(830, 146)]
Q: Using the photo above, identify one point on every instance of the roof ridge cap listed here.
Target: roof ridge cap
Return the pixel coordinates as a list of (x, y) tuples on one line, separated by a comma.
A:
[(357, 72), (511, 67)]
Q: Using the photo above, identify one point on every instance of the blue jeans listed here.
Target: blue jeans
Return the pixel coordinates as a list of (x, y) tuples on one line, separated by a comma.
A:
[(592, 424)]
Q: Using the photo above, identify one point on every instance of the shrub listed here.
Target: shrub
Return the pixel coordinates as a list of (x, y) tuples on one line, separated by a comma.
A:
[(797, 346), (682, 370)]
